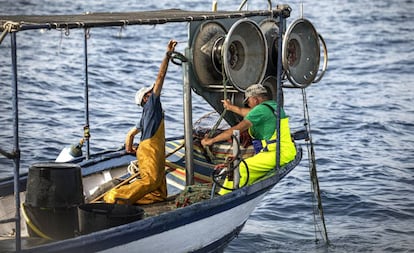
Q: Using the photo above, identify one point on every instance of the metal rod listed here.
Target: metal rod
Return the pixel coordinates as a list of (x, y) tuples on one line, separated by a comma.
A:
[(279, 87), (7, 220), (236, 148), (86, 92), (188, 126), (16, 151), (6, 154), (301, 10), (242, 5), (214, 5), (3, 35)]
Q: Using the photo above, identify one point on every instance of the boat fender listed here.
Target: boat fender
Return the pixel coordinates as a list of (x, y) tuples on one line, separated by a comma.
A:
[(69, 153)]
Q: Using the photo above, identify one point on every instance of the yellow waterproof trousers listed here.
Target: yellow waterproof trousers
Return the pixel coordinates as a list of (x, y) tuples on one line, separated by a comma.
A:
[(264, 161), (151, 186)]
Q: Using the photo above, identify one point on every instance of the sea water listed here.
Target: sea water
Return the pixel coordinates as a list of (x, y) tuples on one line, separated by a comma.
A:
[(362, 115)]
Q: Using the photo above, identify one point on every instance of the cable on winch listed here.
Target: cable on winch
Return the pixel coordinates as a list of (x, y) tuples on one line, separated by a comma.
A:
[(208, 154), (317, 208), (227, 169)]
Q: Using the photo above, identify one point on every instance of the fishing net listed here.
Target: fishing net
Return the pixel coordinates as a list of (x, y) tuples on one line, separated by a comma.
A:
[(210, 124), (205, 124), (193, 194)]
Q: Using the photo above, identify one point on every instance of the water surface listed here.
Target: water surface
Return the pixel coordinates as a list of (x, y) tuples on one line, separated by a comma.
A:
[(361, 113)]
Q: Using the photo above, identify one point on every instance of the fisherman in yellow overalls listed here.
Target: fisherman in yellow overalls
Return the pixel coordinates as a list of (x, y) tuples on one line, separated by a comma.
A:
[(151, 186), (260, 121)]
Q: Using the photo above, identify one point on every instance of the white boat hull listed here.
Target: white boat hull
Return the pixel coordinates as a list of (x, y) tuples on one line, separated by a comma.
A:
[(191, 237)]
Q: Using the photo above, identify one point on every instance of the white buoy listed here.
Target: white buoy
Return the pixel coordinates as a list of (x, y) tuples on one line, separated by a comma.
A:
[(69, 153)]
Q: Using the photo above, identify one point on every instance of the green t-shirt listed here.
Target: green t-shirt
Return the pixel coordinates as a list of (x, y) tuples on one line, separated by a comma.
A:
[(263, 120)]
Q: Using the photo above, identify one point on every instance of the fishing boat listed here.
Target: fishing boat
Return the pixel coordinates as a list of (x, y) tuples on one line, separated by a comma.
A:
[(56, 208)]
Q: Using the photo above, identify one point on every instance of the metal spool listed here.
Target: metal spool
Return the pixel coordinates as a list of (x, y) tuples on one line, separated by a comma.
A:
[(271, 30), (270, 84), (245, 54), (207, 53), (301, 53), (242, 52)]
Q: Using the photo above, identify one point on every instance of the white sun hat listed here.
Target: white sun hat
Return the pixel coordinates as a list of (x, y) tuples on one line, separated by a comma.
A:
[(141, 93)]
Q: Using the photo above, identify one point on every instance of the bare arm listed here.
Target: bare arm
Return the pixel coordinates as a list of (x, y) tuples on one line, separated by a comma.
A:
[(129, 140), (243, 125), (163, 68), (242, 111)]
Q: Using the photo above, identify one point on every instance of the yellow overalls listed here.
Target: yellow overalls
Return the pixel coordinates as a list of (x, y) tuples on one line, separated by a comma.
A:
[(261, 163), (151, 186)]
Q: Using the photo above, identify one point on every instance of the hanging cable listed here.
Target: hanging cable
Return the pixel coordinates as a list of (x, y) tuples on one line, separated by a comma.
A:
[(229, 169), (317, 203), (224, 81), (208, 154)]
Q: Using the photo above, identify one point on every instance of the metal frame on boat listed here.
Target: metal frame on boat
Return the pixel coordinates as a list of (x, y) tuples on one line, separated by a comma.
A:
[(172, 230)]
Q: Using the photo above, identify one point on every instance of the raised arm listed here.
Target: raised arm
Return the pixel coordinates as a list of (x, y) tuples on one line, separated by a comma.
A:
[(163, 68), (242, 111)]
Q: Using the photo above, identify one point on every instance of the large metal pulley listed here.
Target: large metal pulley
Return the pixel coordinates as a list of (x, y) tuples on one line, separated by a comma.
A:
[(207, 53), (241, 54), (301, 54)]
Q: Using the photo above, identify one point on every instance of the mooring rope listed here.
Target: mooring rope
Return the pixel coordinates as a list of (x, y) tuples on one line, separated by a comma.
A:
[(317, 207), (8, 27)]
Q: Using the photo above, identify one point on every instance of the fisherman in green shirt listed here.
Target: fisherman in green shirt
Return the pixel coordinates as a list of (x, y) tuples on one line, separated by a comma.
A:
[(260, 121)]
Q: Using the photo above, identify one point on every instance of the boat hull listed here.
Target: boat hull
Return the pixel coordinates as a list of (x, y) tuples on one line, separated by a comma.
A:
[(184, 230), (201, 227)]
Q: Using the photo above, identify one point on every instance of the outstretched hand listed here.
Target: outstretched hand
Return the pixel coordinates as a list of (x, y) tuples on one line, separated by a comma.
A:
[(171, 45)]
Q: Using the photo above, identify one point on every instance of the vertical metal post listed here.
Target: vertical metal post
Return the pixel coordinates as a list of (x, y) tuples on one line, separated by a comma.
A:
[(279, 85), (16, 151), (236, 148), (188, 125), (214, 5), (86, 93)]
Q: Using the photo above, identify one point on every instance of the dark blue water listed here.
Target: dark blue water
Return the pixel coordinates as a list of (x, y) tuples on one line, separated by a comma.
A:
[(361, 113)]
